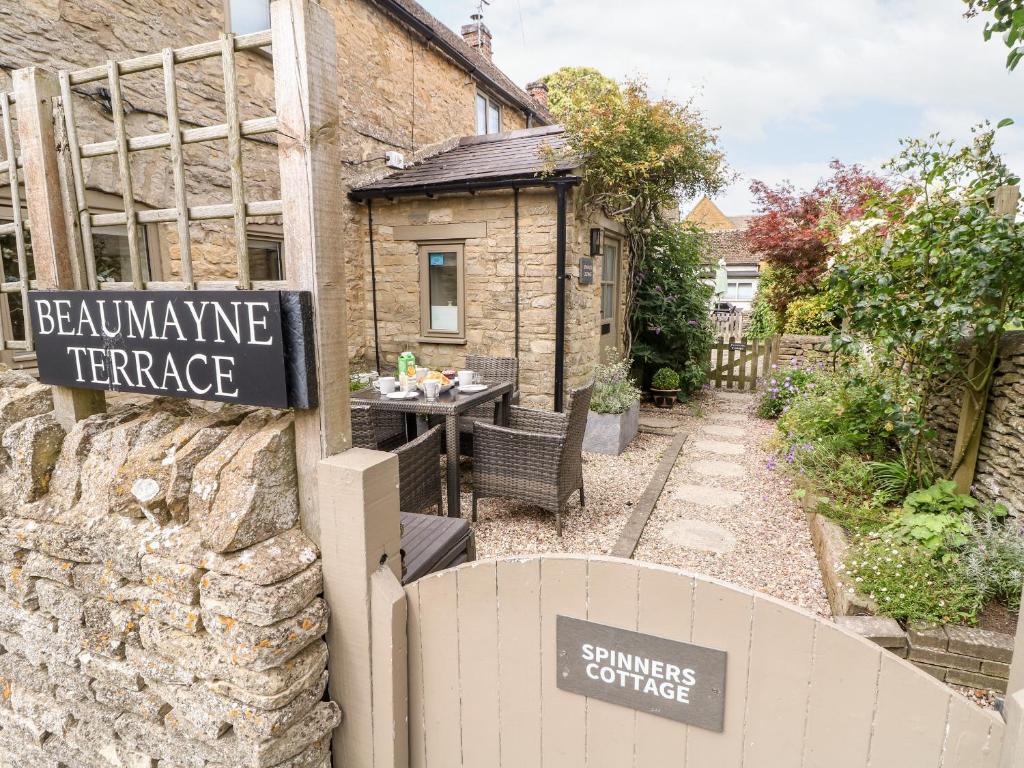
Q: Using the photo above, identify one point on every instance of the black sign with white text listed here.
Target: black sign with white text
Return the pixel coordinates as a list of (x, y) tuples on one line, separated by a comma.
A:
[(251, 347), (667, 678)]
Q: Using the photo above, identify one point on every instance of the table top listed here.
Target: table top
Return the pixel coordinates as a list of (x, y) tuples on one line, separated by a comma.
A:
[(450, 402)]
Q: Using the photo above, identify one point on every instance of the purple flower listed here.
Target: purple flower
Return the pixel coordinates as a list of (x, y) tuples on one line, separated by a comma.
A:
[(770, 464), (691, 322)]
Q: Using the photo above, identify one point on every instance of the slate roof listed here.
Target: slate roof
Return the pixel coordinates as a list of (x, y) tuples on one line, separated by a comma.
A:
[(732, 246), (497, 157), (414, 15)]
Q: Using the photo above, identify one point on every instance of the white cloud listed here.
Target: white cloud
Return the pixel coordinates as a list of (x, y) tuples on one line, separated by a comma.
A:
[(752, 65)]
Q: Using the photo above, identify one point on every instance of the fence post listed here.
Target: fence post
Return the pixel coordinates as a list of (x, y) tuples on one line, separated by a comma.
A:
[(361, 536), (51, 253), (306, 90), (975, 398)]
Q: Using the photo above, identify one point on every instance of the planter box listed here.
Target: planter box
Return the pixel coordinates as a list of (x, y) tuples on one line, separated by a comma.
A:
[(610, 433)]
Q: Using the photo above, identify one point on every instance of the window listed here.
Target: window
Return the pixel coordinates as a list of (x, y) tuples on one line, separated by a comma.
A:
[(441, 290), (266, 258), (488, 115), (609, 280), (740, 291), (245, 16)]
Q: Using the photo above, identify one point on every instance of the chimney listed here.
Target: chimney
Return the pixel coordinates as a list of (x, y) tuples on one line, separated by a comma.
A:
[(539, 91), (478, 35)]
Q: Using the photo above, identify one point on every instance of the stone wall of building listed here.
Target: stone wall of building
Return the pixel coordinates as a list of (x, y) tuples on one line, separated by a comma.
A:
[(490, 286), (159, 602), (396, 91)]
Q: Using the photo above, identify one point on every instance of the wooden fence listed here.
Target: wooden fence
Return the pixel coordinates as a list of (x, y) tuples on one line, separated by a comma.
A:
[(738, 363), (800, 692), (730, 323)]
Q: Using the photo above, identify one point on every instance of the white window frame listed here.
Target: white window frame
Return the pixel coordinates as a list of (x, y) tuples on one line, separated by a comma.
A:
[(227, 17), (489, 104)]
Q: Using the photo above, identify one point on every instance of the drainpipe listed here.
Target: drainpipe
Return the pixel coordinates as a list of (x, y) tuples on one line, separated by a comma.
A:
[(515, 198), (373, 284), (560, 281)]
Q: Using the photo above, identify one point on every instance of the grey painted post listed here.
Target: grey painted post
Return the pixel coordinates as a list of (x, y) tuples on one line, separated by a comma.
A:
[(1013, 740)]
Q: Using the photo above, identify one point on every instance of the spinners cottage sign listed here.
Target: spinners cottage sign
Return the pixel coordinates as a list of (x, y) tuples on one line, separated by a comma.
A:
[(251, 347), (678, 681)]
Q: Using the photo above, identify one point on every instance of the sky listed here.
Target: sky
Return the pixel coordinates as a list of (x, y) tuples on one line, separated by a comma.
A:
[(790, 85)]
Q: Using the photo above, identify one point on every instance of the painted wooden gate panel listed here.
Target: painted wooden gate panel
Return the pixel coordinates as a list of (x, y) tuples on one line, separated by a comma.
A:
[(739, 362), (799, 690)]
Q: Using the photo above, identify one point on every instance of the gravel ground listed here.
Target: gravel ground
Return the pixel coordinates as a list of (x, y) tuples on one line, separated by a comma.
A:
[(773, 552), (771, 546)]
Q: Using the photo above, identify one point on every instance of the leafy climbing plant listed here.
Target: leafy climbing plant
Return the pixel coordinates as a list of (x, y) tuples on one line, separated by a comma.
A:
[(1007, 20), (931, 275)]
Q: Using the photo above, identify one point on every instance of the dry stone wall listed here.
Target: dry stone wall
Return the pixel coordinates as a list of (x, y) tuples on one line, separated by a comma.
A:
[(804, 350), (160, 607)]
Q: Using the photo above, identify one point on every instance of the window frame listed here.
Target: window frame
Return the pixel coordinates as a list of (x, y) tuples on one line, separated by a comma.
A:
[(227, 18), (610, 239), (489, 104), (423, 250)]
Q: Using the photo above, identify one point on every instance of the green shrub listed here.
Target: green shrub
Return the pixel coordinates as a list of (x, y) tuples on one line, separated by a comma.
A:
[(666, 379), (810, 315), (993, 562), (614, 390), (908, 583), (933, 518)]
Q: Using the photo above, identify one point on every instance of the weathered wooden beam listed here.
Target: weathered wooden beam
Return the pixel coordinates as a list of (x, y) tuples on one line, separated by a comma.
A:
[(306, 91), (34, 89)]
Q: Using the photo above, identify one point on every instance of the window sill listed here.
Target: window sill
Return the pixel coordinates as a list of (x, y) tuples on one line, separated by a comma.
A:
[(441, 340)]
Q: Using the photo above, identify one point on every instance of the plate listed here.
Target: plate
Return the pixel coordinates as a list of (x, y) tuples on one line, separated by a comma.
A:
[(401, 395), (471, 388)]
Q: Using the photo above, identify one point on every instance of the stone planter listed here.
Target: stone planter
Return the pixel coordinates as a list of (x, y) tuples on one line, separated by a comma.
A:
[(664, 398), (610, 433)]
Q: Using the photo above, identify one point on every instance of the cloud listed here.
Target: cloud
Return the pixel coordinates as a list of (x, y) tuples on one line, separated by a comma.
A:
[(771, 74)]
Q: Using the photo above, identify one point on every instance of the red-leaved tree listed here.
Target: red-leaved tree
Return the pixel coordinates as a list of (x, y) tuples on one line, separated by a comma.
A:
[(792, 228)]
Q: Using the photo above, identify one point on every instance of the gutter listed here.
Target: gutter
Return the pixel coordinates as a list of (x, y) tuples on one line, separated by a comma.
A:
[(429, 190), (560, 281)]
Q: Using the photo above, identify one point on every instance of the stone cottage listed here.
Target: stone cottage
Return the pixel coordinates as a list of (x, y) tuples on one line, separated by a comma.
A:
[(727, 240), (411, 92)]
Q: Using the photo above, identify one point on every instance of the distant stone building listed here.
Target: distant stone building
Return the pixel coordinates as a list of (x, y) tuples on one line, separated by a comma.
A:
[(727, 240), (407, 84)]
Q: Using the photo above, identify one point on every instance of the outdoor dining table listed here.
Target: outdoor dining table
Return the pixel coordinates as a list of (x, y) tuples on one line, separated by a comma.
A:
[(451, 405)]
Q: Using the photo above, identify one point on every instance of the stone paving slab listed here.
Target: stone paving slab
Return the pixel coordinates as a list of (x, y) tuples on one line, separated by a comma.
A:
[(718, 468), (699, 535), (708, 496), (720, 447), (730, 416), (722, 430)]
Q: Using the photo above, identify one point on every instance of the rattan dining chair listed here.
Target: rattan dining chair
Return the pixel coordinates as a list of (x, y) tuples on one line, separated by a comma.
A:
[(419, 461), (490, 369), (537, 459)]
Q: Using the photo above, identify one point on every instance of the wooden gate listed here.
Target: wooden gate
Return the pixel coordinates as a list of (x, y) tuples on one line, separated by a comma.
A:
[(738, 363), (799, 690)]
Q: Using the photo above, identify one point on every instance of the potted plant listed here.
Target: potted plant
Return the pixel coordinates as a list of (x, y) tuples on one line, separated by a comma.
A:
[(665, 387), (614, 417)]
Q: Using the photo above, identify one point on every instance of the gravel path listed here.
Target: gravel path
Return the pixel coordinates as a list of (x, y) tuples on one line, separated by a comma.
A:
[(739, 521), (725, 514)]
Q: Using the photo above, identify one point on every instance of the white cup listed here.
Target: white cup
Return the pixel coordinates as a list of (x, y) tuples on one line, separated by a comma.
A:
[(421, 372), (386, 384), (431, 388), (465, 378)]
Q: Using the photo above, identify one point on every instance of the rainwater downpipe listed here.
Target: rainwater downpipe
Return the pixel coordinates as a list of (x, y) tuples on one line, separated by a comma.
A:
[(560, 282), (373, 285), (515, 198)]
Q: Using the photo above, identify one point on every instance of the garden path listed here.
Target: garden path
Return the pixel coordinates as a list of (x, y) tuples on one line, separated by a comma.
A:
[(727, 514)]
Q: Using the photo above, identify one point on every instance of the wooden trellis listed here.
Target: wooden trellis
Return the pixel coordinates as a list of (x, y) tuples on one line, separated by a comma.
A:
[(18, 227), (175, 138)]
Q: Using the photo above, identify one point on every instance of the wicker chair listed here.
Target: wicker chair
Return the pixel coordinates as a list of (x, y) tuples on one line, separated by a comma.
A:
[(419, 472), (377, 430), (490, 369), (537, 459), (419, 461)]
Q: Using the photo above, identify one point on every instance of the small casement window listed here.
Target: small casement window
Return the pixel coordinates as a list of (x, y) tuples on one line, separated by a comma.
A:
[(740, 291), (442, 293), (266, 255), (609, 279), (245, 16), (488, 115)]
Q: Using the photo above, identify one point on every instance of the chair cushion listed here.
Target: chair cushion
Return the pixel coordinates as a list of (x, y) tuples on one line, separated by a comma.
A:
[(432, 543)]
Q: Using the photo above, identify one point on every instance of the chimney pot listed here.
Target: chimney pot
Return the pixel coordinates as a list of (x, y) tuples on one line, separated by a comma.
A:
[(539, 91), (478, 36)]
